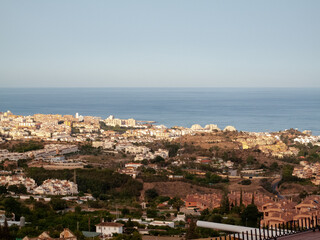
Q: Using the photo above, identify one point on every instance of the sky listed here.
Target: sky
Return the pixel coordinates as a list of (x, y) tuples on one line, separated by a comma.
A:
[(164, 43)]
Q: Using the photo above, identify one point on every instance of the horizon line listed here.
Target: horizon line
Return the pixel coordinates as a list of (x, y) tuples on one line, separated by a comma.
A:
[(167, 87)]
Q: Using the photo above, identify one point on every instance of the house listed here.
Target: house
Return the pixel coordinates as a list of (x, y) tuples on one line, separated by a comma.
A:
[(65, 234), (162, 223), (191, 201), (284, 211), (107, 229), (180, 217)]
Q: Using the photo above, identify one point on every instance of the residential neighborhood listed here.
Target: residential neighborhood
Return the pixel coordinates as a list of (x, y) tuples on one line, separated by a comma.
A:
[(123, 177)]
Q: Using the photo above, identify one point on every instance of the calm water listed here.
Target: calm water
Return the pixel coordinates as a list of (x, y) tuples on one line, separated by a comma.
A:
[(247, 109)]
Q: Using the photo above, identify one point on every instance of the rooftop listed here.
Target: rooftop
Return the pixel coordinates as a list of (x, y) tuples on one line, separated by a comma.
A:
[(110, 224)]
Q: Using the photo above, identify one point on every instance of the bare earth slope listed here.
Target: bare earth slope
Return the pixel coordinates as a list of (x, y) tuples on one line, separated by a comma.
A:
[(176, 188)]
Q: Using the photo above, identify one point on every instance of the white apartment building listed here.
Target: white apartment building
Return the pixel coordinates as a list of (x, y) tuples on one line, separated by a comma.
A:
[(107, 229), (29, 183), (137, 149), (56, 187)]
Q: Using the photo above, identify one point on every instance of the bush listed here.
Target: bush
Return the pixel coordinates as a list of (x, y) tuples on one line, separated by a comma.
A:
[(152, 213), (26, 146), (18, 189), (101, 181), (158, 159), (3, 189), (245, 182), (58, 204), (266, 185), (173, 149), (151, 194)]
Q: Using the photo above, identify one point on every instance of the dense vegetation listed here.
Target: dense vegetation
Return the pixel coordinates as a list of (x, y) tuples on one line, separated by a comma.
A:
[(172, 148), (26, 146), (267, 185), (233, 214), (115, 128), (43, 217), (310, 152), (227, 214), (245, 182), (287, 176), (95, 181), (208, 180), (87, 149)]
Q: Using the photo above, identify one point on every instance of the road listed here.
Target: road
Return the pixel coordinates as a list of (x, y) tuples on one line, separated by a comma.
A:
[(274, 185)]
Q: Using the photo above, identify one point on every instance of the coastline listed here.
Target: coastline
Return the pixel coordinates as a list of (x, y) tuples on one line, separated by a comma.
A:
[(254, 109)]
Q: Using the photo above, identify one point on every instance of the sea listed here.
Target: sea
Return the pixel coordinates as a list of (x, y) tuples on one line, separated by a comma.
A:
[(247, 109)]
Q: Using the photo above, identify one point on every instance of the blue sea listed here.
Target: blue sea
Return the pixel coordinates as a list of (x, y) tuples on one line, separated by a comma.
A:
[(248, 109)]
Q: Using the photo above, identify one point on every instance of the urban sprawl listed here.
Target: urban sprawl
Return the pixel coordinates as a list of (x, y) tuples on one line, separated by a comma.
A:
[(84, 177)]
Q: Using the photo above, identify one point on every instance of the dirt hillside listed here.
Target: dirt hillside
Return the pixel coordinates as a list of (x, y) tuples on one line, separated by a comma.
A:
[(176, 188)]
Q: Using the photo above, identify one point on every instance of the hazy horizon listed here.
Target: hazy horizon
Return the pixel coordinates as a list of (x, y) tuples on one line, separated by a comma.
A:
[(124, 87)]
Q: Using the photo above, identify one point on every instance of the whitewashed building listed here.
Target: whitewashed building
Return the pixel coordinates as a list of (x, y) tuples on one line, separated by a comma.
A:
[(107, 229)]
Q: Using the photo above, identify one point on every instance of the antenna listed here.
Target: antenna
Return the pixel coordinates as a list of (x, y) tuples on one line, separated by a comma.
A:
[(117, 215), (74, 176), (74, 179)]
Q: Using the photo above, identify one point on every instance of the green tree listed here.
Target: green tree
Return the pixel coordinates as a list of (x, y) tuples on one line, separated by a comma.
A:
[(13, 188), (77, 209), (134, 236), (250, 216), (303, 194), (151, 194), (22, 163), (79, 235), (12, 206), (204, 214), (125, 211), (245, 182), (191, 231), (274, 166), (252, 199), (250, 160), (3, 190), (152, 213), (287, 171), (5, 233), (176, 203), (58, 204), (215, 218), (225, 205), (158, 159), (26, 146), (173, 149)]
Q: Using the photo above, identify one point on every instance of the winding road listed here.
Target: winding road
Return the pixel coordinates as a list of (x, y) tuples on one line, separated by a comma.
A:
[(274, 185)]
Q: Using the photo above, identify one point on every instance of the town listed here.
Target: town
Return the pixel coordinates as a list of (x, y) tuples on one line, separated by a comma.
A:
[(116, 178)]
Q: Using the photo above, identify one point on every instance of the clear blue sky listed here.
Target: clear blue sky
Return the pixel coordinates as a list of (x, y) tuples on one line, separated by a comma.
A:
[(164, 43)]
